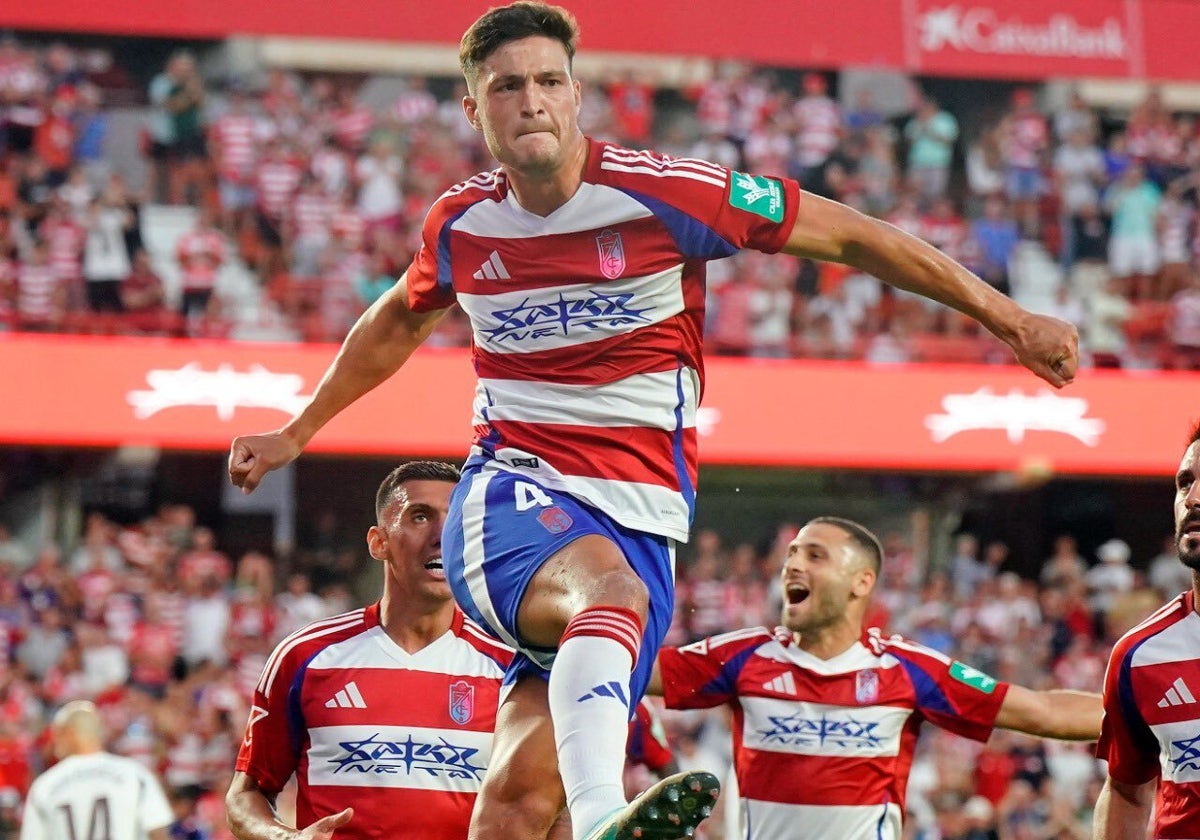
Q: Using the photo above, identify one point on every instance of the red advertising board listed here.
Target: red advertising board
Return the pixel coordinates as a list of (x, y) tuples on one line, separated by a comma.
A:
[(72, 391), (974, 38)]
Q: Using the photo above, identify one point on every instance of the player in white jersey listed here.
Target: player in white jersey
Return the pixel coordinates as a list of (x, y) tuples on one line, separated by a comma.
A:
[(826, 712), (91, 794), (581, 267)]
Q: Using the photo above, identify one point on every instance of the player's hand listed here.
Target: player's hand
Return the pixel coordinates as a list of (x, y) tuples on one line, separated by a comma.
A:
[(324, 828), (1048, 347), (253, 456)]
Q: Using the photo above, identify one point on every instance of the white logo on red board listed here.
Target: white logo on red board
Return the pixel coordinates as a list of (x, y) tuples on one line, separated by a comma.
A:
[(1015, 414), (224, 389), (982, 29)]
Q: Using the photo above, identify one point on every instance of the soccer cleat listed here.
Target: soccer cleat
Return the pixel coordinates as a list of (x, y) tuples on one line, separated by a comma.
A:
[(668, 810)]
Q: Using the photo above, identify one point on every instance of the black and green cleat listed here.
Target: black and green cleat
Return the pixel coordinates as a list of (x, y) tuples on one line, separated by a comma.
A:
[(668, 810)]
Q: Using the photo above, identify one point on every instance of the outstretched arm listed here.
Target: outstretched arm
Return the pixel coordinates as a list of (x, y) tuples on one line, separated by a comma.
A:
[(1123, 811), (380, 342), (827, 230), (1066, 715)]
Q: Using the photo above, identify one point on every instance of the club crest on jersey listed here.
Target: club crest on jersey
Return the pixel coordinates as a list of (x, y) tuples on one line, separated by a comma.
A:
[(866, 686), (462, 701), (555, 520), (612, 254)]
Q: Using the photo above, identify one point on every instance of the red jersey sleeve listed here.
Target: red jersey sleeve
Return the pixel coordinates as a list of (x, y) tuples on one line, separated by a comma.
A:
[(1126, 740), (647, 742), (711, 211), (270, 749), (704, 674), (430, 282), (949, 693)]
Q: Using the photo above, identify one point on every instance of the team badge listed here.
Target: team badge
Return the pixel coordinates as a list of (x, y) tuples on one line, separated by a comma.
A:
[(462, 701), (612, 254), (866, 686), (555, 520)]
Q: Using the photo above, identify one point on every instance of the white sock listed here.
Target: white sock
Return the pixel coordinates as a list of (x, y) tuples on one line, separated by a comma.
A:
[(589, 704)]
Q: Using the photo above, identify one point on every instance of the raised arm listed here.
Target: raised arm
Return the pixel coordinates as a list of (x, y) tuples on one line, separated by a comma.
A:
[(380, 342), (827, 230), (1123, 811), (1066, 715), (251, 816)]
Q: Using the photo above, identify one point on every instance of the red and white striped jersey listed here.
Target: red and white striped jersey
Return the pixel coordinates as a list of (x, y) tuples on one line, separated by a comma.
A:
[(819, 126), (236, 136), (64, 239), (36, 289), (276, 182), (587, 322), (404, 739), (1151, 725), (823, 747), (201, 254)]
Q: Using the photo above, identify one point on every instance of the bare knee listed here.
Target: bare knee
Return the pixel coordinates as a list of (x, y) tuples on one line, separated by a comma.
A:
[(515, 804), (590, 572)]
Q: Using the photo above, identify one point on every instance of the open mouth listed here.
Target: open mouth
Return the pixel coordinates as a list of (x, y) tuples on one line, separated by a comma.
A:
[(434, 566), (796, 593)]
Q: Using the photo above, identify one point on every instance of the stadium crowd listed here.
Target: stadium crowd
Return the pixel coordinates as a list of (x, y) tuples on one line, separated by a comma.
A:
[(168, 635), (323, 196)]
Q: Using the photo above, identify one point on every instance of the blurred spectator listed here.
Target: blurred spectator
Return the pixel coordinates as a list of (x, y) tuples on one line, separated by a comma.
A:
[(1166, 574), (234, 142), (205, 621), (201, 253), (1183, 326), (1103, 333), (1133, 253), (632, 103), (818, 127), (105, 259), (144, 300), (1112, 577), (997, 235), (184, 103), (1065, 564), (1024, 140), (931, 135)]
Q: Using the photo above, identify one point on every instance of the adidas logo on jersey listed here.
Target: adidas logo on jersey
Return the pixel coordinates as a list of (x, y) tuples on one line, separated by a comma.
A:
[(609, 689), (1177, 695), (785, 683), (348, 698), (492, 269)]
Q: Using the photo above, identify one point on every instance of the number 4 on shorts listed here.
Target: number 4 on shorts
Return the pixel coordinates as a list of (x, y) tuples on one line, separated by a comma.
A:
[(530, 496)]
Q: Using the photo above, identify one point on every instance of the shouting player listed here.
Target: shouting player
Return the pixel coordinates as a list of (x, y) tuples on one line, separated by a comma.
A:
[(826, 716), (581, 267), (385, 714)]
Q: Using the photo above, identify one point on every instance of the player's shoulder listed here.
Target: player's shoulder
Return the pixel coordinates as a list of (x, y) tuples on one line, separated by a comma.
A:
[(315, 636), (651, 171), (1154, 626), (482, 642), (727, 645), (901, 648), (485, 186)]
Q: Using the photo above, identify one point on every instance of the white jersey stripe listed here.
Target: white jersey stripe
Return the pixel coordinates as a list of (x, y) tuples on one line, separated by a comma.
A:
[(472, 517), (593, 208), (761, 820), (284, 649), (535, 320), (659, 173), (694, 164), (646, 399)]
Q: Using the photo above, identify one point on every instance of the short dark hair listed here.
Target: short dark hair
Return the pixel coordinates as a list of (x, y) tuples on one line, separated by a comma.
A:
[(412, 471), (502, 24), (866, 540)]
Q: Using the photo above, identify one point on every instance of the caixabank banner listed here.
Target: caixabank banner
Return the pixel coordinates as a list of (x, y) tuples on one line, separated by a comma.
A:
[(79, 391)]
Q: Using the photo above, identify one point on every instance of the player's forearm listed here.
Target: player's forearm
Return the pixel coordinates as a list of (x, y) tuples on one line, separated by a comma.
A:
[(251, 817), (911, 264), (1120, 816), (1071, 715), (380, 342)]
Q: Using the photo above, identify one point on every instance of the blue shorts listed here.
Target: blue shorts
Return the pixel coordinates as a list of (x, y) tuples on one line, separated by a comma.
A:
[(503, 526)]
